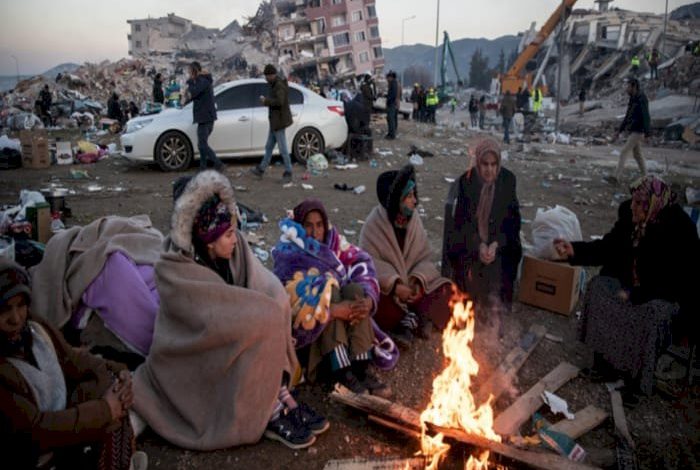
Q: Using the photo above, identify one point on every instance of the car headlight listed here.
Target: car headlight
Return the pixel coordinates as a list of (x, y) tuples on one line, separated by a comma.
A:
[(132, 126)]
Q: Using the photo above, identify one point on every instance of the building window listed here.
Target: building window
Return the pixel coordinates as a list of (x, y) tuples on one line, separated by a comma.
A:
[(371, 11), (374, 32), (340, 40), (138, 44), (356, 16), (378, 53), (338, 20), (360, 36), (336, 2), (137, 28), (364, 57)]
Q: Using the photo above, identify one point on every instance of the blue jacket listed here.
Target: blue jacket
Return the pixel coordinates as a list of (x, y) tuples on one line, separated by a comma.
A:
[(202, 93)]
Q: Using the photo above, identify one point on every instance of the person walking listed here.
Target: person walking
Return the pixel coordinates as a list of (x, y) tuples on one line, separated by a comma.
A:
[(507, 111), (201, 93), (482, 111), (280, 117), (581, 101), (415, 100), (638, 123), (393, 100), (473, 111), (654, 64)]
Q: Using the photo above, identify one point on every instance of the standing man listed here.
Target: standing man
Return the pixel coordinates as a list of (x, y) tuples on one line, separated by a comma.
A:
[(200, 91), (431, 103), (158, 96), (654, 64), (635, 62), (415, 100), (473, 111), (45, 100), (482, 111), (393, 100), (537, 99), (581, 101), (280, 117), (637, 122), (507, 111)]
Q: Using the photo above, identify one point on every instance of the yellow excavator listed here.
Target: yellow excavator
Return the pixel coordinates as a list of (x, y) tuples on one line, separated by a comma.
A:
[(516, 77)]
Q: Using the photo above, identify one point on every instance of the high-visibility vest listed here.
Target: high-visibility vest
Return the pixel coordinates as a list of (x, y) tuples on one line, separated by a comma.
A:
[(536, 95), (635, 61), (432, 99)]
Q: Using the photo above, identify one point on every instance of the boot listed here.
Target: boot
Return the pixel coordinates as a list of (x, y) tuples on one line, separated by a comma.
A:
[(373, 385)]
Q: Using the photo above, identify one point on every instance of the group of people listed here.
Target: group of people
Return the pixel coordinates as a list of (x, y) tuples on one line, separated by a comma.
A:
[(172, 97), (425, 102), (477, 111)]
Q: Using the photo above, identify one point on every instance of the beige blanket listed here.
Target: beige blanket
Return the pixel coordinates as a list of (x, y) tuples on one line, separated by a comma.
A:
[(76, 256), (218, 355), (415, 260)]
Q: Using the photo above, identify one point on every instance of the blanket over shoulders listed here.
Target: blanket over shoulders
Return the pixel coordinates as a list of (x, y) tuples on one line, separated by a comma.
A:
[(391, 262)]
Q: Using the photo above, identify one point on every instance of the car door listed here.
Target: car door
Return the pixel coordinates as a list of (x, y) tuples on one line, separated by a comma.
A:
[(261, 122), (234, 124)]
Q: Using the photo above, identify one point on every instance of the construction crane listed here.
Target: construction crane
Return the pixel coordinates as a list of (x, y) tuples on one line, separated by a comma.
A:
[(447, 49), (515, 77)]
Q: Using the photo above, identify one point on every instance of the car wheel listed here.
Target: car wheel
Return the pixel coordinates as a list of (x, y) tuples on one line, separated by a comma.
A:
[(307, 142), (173, 151)]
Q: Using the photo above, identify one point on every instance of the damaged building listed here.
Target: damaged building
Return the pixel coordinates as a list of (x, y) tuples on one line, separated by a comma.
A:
[(319, 39), (599, 45)]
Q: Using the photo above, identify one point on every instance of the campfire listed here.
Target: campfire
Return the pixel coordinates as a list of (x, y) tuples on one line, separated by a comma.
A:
[(452, 404)]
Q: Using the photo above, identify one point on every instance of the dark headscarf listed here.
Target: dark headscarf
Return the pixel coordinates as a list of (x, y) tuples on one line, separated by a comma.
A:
[(14, 280), (310, 205), (391, 190)]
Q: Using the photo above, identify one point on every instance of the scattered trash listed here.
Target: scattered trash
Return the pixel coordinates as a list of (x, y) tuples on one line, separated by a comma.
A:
[(615, 153), (349, 232), (288, 185), (343, 187), (261, 254), (385, 153), (416, 159), (307, 187), (94, 188), (240, 188), (359, 189), (317, 163), (416, 151), (373, 163), (79, 174), (557, 404), (347, 166), (559, 138), (554, 338), (449, 180), (7, 143)]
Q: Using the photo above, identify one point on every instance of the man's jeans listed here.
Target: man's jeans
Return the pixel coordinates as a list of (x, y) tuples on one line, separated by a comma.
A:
[(506, 129), (279, 138), (206, 154), (392, 120)]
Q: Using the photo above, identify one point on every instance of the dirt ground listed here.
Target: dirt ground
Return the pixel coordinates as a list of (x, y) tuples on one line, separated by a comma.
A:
[(667, 432)]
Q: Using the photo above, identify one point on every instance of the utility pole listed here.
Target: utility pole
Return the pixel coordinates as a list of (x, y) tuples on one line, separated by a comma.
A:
[(403, 24), (561, 61), (663, 37), (437, 32)]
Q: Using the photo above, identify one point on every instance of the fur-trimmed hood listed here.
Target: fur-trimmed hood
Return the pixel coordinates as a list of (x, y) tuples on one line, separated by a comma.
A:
[(200, 188)]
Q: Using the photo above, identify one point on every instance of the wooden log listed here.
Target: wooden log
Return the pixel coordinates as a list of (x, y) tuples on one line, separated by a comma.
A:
[(395, 426), (509, 421), (585, 420), (380, 408), (541, 460), (502, 378), (376, 463)]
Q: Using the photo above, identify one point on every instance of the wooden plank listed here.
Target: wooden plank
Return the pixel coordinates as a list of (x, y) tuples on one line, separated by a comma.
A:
[(396, 427), (377, 463), (541, 460), (379, 407), (509, 421), (502, 378), (619, 417), (585, 420)]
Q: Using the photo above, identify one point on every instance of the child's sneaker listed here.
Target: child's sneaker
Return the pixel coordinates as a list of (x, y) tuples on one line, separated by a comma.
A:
[(290, 432), (305, 415)]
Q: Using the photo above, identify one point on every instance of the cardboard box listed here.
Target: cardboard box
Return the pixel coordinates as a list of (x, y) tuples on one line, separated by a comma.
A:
[(550, 285), (35, 149), (40, 217)]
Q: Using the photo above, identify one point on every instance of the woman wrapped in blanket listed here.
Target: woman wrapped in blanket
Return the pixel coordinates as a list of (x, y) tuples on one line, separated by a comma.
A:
[(334, 293)]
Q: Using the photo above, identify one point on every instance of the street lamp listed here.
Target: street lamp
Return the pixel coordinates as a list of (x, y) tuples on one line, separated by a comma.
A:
[(437, 31), (17, 67), (403, 25)]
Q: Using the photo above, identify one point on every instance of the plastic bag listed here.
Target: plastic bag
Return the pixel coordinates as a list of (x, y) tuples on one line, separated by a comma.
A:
[(7, 248), (549, 224), (317, 163)]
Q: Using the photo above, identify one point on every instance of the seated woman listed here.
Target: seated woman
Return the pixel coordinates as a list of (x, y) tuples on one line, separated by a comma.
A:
[(222, 345), (649, 264), (55, 399), (397, 241), (334, 290), (481, 242), (79, 286)]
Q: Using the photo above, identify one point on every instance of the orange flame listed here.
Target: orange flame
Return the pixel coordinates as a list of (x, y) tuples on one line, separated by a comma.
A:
[(452, 403)]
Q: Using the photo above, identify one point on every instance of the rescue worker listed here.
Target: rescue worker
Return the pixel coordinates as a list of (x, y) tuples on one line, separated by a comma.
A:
[(537, 99), (431, 102), (635, 64)]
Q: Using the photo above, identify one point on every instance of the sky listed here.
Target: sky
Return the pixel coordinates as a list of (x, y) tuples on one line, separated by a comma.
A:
[(40, 34)]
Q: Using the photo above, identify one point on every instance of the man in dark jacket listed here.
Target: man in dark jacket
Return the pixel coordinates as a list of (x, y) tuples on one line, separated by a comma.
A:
[(637, 122), (201, 93), (114, 109), (280, 117), (507, 111), (158, 96), (415, 100), (393, 99), (45, 100)]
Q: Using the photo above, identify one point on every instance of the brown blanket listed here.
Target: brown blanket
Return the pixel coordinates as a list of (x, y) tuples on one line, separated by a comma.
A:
[(415, 260), (76, 256), (219, 352)]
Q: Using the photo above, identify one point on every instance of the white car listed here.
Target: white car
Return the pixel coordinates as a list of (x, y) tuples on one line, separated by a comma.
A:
[(170, 137)]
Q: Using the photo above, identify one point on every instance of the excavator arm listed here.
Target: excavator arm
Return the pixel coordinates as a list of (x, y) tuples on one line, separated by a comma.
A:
[(513, 78), (447, 49)]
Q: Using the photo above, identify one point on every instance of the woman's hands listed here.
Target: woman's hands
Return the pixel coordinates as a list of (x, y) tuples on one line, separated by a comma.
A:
[(564, 248), (120, 396), (352, 311)]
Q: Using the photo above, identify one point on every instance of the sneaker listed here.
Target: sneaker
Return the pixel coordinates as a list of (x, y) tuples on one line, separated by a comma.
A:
[(425, 327), (347, 379), (305, 415), (402, 336), (289, 432), (376, 387), (287, 177), (256, 171)]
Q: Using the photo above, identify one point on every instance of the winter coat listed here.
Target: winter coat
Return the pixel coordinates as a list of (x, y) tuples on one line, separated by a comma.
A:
[(202, 94), (637, 117), (507, 107), (392, 94), (277, 101), (158, 96)]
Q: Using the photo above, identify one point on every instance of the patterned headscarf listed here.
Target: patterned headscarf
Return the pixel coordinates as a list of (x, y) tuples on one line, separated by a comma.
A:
[(212, 220), (483, 211), (13, 281), (658, 196)]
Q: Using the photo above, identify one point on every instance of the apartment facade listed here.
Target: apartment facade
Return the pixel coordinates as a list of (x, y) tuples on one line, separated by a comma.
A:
[(157, 35), (318, 39)]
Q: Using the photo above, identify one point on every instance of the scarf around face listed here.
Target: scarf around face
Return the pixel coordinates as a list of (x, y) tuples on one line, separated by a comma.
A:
[(483, 210)]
